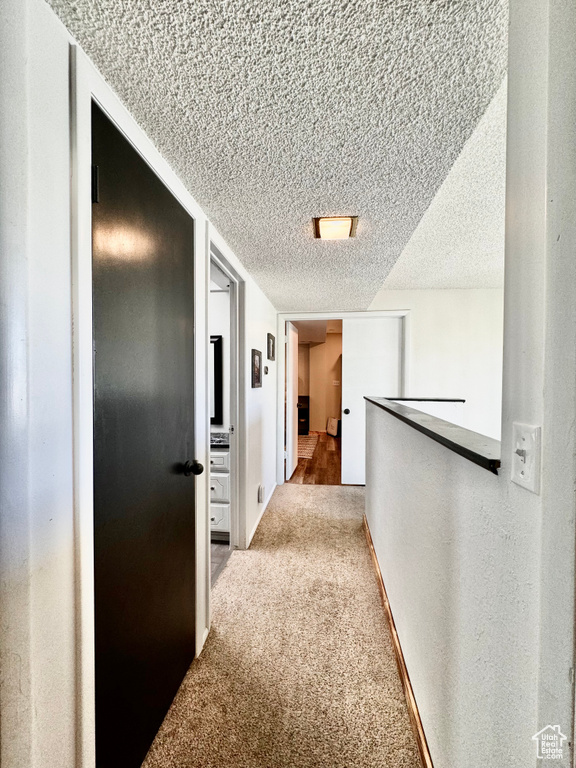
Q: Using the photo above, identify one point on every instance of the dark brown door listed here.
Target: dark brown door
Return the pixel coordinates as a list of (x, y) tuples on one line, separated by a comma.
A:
[(143, 433)]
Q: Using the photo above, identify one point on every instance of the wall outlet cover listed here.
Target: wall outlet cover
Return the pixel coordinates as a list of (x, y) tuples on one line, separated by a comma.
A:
[(526, 447)]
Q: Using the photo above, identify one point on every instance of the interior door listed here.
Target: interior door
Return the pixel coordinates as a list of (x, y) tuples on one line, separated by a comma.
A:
[(144, 516), (291, 399), (371, 365)]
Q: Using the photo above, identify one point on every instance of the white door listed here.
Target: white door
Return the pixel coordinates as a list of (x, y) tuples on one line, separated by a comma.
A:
[(291, 399), (371, 366)]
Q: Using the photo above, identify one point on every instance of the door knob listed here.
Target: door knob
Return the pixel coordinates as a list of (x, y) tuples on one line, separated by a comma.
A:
[(194, 468), (346, 411)]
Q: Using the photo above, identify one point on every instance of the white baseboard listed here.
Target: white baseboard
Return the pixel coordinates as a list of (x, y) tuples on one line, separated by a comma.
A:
[(264, 505)]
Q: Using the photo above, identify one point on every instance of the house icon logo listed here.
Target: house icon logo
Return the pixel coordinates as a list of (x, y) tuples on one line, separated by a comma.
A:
[(549, 743)]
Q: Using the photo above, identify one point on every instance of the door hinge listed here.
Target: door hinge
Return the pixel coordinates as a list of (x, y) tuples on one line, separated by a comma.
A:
[(95, 184)]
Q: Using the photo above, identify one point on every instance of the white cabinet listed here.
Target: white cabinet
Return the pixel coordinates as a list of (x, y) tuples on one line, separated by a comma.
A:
[(220, 491), (220, 461), (219, 487), (220, 517)]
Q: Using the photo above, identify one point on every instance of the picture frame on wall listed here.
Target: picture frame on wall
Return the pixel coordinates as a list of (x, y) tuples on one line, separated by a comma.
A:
[(271, 347), (256, 368)]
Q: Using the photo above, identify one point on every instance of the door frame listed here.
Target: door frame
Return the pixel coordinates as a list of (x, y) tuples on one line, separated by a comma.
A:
[(237, 392), (86, 85), (291, 400), (284, 317)]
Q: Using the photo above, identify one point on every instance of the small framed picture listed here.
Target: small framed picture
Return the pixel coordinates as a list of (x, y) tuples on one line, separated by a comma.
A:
[(256, 368), (271, 348)]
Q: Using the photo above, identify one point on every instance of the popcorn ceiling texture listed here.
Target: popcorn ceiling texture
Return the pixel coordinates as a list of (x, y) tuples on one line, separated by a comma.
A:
[(275, 112), (459, 242)]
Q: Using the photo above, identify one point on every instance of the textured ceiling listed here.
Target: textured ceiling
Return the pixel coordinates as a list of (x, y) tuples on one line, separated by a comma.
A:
[(274, 112), (459, 243)]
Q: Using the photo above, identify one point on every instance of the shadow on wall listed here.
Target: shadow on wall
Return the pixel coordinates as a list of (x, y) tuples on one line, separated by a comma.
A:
[(320, 378)]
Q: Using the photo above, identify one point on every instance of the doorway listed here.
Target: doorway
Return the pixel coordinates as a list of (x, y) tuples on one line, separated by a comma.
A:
[(224, 390), (144, 470), (319, 402), (331, 363)]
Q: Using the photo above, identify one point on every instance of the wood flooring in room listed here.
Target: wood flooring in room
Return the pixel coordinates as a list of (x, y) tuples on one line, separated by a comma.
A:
[(324, 467), (219, 554)]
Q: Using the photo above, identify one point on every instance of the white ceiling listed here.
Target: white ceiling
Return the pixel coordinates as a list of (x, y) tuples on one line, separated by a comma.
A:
[(275, 112), (459, 242)]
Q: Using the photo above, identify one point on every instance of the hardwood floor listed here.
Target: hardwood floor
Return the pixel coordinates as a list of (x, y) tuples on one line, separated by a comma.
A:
[(219, 554), (324, 467)]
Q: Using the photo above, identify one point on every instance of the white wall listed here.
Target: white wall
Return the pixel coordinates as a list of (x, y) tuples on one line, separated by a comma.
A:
[(46, 700), (325, 369), (303, 369), (37, 591), (455, 349), (219, 325), (258, 421), (459, 570), (261, 408), (480, 571)]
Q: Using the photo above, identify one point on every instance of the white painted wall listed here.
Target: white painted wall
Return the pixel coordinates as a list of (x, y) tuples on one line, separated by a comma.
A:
[(261, 413), (303, 369), (259, 418), (455, 349), (219, 325), (452, 412), (37, 595), (46, 701), (325, 369), (458, 568), (480, 571)]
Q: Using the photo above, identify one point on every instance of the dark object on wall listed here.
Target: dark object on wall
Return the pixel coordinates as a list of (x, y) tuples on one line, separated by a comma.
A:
[(303, 407), (216, 378), (265, 370), (271, 347), (144, 515), (256, 368)]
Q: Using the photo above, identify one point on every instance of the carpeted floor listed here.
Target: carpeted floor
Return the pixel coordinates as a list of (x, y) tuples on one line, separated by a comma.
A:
[(298, 670)]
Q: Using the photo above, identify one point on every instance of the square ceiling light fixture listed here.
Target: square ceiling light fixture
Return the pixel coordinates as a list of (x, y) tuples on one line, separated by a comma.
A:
[(335, 227)]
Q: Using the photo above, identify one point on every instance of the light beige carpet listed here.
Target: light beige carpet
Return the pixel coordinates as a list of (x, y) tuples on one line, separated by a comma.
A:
[(298, 670)]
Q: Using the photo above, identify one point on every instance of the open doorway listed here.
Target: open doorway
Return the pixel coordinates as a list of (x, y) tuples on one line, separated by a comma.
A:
[(332, 363), (319, 402), (223, 381)]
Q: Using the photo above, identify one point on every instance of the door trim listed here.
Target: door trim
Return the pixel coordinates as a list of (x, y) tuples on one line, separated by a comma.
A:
[(86, 85), (237, 395), (284, 317)]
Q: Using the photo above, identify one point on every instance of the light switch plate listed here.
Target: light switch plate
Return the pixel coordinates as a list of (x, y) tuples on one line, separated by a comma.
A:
[(526, 456)]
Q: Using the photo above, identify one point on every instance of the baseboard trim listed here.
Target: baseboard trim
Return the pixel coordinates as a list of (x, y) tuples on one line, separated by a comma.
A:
[(403, 671)]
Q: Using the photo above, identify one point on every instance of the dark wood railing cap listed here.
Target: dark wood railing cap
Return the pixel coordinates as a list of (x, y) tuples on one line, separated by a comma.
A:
[(482, 450)]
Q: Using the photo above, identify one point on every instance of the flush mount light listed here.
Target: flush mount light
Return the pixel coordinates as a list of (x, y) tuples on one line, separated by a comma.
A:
[(335, 227)]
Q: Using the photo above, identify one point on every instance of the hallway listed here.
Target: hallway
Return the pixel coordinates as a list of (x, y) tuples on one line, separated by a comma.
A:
[(298, 670)]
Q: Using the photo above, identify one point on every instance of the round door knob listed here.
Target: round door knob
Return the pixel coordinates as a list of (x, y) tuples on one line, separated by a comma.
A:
[(346, 411), (193, 468)]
